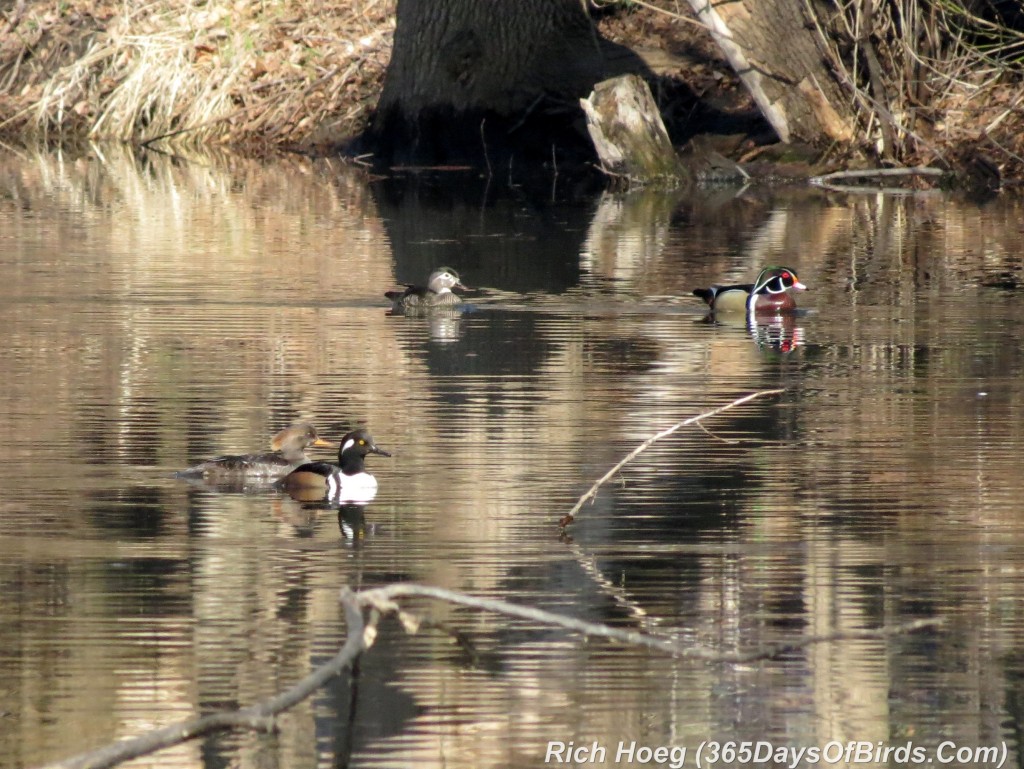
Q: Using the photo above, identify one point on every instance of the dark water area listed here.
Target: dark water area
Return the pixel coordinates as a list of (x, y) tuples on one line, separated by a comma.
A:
[(159, 312)]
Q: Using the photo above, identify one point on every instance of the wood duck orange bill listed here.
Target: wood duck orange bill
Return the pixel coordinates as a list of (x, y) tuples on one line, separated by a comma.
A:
[(770, 293)]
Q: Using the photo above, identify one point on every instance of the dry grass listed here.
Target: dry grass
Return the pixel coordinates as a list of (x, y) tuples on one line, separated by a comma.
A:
[(928, 77), (233, 73)]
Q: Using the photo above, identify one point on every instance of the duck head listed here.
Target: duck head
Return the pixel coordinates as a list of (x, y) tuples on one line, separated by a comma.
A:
[(444, 279)]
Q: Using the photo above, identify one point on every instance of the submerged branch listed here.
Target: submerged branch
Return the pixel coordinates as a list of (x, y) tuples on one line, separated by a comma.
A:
[(361, 634), (383, 599), (258, 717), (592, 491)]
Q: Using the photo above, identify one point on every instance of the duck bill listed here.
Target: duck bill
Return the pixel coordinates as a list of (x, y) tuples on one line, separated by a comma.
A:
[(460, 286), (324, 444), (799, 286), (375, 450)]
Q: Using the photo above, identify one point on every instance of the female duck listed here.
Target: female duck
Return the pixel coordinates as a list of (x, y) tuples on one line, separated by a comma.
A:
[(343, 482), (770, 293), (288, 451), (437, 292)]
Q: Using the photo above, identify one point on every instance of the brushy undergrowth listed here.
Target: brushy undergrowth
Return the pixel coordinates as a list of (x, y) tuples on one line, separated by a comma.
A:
[(216, 72), (927, 77), (929, 80), (931, 77)]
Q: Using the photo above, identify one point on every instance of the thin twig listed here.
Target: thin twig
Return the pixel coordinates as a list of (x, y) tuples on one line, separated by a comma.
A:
[(716, 437), (1007, 150), (651, 6), (483, 142), (592, 492), (875, 78)]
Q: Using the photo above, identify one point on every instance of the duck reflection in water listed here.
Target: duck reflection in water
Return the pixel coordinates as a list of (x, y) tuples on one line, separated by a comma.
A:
[(777, 333), (445, 323), (346, 481), (346, 487), (766, 307), (304, 517), (435, 303), (352, 523), (771, 333), (437, 294)]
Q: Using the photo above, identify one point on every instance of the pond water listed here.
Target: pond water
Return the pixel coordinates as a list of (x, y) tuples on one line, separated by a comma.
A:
[(159, 311)]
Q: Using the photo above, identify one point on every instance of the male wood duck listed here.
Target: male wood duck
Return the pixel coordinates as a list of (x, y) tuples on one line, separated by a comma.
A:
[(345, 481), (437, 292), (288, 451), (770, 293)]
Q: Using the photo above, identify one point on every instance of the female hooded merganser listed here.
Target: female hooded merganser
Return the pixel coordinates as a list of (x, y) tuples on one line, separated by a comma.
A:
[(768, 294), (345, 481), (288, 452), (437, 293)]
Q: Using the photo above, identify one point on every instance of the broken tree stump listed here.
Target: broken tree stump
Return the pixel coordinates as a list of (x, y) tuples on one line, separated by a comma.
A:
[(628, 133)]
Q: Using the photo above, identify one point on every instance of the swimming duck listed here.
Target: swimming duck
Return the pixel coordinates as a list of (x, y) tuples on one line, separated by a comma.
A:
[(437, 293), (769, 293), (288, 451), (345, 481)]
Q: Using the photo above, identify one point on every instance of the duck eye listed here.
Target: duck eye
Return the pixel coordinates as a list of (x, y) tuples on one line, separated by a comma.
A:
[(362, 442)]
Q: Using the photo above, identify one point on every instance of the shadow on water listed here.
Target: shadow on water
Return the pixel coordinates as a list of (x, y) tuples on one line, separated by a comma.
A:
[(502, 236)]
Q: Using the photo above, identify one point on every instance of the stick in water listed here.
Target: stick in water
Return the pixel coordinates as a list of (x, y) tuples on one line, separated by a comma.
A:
[(592, 492)]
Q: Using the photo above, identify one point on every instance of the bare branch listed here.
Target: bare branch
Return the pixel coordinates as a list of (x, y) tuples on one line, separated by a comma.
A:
[(383, 598), (361, 634), (258, 717), (592, 492)]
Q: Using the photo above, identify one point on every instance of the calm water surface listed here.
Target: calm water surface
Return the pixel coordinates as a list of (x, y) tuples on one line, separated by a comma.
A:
[(158, 312)]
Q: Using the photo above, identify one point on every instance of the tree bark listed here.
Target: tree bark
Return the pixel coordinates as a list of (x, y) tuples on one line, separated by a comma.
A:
[(481, 81), (774, 48)]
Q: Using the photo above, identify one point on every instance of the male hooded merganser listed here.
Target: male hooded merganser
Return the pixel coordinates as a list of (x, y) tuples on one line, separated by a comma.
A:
[(437, 293), (288, 452), (345, 481), (769, 293)]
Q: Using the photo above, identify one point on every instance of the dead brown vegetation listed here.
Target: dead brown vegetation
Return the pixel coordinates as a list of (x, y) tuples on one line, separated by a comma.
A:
[(931, 81), (233, 73)]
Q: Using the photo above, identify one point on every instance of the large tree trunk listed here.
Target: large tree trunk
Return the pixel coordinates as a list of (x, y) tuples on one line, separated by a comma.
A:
[(488, 81), (774, 48)]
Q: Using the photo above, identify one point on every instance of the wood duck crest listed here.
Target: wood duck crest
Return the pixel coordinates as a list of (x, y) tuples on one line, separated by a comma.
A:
[(770, 292)]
